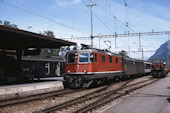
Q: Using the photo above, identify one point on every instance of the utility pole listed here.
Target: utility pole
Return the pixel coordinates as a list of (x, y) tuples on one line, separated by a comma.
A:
[(91, 7), (115, 41), (129, 50), (142, 54), (139, 42), (99, 41)]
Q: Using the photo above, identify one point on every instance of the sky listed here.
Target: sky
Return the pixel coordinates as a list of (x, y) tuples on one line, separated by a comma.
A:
[(71, 18)]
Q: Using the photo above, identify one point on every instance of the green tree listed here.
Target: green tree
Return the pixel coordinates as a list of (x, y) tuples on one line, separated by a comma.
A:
[(48, 52), (8, 24), (49, 33)]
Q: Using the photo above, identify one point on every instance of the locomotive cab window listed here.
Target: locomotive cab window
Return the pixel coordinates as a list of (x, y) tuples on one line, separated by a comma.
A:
[(153, 67), (71, 58), (116, 60), (91, 57), (83, 57), (103, 58), (95, 57), (161, 67), (110, 58)]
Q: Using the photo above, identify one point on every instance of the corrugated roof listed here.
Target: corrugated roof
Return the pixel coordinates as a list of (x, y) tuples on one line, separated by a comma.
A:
[(52, 59), (11, 38)]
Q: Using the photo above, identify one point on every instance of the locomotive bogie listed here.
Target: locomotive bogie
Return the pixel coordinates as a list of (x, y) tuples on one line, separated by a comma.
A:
[(158, 74)]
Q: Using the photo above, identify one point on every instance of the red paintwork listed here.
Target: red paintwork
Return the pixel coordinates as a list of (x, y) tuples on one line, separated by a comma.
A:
[(98, 66), (158, 65)]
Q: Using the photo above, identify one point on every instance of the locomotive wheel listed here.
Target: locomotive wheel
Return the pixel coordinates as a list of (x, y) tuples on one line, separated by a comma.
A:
[(77, 83), (117, 79)]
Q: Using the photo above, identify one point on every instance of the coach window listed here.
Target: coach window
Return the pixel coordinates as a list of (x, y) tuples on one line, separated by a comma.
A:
[(47, 68), (110, 58), (103, 58), (116, 60), (148, 66), (95, 57), (91, 57), (71, 58), (83, 57)]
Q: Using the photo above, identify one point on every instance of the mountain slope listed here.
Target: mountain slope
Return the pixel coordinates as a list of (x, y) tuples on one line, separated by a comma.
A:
[(161, 52)]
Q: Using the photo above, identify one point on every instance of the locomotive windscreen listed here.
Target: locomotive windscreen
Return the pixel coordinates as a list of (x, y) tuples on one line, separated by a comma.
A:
[(71, 58), (83, 57)]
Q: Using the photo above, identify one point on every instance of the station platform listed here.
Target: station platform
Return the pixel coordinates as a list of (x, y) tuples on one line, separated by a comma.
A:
[(150, 99), (27, 89)]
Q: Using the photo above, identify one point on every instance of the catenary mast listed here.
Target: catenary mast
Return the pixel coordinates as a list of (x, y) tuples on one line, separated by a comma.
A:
[(91, 7)]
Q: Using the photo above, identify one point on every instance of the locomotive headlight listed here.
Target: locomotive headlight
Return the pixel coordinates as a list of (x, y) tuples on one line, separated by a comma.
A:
[(68, 71), (85, 71)]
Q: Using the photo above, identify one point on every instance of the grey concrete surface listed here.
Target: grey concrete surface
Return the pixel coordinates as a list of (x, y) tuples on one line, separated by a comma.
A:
[(149, 99), (22, 90), (167, 109)]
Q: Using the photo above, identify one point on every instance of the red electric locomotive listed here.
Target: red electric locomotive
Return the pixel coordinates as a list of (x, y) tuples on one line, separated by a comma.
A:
[(158, 68), (85, 66)]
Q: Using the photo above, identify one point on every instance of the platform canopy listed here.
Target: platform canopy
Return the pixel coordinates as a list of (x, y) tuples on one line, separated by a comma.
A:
[(13, 39)]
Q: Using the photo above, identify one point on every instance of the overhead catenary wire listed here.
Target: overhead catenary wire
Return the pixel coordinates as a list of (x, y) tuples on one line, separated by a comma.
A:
[(98, 18), (114, 17), (67, 26), (127, 6), (138, 16), (102, 23), (126, 14)]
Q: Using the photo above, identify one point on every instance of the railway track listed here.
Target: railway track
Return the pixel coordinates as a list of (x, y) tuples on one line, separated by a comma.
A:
[(110, 97), (74, 101), (97, 98), (37, 102), (67, 100), (20, 100)]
